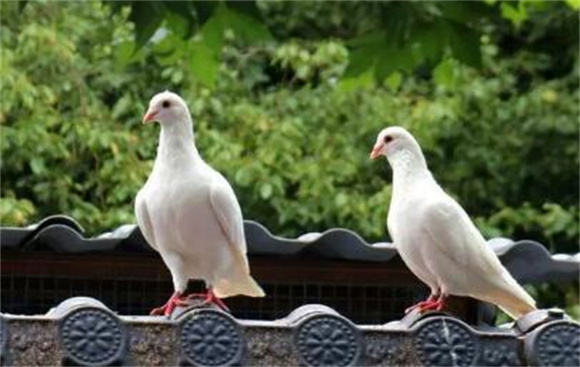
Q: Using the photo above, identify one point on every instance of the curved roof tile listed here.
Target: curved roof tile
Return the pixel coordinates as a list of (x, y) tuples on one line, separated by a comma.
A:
[(527, 260)]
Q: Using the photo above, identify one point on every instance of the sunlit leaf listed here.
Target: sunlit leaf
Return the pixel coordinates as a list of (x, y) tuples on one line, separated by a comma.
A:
[(362, 80), (213, 30), (124, 52), (444, 73), (265, 191), (394, 80), (515, 12), (204, 63), (574, 4)]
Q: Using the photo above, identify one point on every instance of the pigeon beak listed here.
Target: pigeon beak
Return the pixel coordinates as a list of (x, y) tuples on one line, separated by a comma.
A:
[(376, 152), (149, 117)]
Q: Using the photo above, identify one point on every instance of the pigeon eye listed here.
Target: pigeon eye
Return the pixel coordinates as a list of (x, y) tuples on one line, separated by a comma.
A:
[(166, 104), (388, 139)]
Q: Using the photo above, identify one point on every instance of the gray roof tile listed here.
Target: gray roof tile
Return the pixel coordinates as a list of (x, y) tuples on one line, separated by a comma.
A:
[(527, 260)]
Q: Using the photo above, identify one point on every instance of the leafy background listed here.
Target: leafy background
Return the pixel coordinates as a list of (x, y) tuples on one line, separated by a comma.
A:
[(287, 99)]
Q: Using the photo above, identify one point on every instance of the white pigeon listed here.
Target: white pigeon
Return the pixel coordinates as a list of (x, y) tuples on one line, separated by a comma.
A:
[(189, 213), (435, 237)]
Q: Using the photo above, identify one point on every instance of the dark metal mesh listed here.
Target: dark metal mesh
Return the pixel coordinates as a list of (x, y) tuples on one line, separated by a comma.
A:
[(364, 304)]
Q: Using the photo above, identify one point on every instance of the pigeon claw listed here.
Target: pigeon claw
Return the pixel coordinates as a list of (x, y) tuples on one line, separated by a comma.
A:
[(416, 306), (212, 298), (174, 301), (432, 303)]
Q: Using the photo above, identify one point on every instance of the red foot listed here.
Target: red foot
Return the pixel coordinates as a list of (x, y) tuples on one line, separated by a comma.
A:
[(440, 304), (174, 301), (432, 303), (421, 304)]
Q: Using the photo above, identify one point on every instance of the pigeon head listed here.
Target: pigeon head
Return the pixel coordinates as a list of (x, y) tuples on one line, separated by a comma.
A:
[(397, 144), (166, 108)]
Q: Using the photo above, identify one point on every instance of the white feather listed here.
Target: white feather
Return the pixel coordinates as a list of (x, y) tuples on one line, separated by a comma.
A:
[(436, 238), (189, 213)]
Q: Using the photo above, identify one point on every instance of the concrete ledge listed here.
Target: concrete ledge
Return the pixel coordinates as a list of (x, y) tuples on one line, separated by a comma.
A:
[(82, 331)]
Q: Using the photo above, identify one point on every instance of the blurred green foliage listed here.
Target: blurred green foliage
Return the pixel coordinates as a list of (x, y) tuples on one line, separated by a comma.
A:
[(287, 100)]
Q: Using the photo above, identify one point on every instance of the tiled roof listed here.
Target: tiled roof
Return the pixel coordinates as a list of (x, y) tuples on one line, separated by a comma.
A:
[(82, 331), (528, 261)]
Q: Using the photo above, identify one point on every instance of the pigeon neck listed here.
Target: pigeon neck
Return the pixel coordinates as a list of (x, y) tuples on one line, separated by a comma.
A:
[(176, 139), (408, 166)]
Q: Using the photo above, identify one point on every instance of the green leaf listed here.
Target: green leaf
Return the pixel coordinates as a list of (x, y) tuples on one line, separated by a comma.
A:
[(205, 9), (178, 24), (394, 81), (22, 5), (181, 12), (124, 52), (204, 63), (574, 4), (265, 191), (122, 106), (465, 45), (444, 73), (213, 30), (516, 14), (361, 60), (37, 165), (147, 16), (246, 7), (248, 28), (431, 40), (243, 177), (362, 80), (463, 11), (373, 38), (393, 58)]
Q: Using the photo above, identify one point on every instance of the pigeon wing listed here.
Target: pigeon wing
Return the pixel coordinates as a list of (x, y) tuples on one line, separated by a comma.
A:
[(143, 220), (229, 214), (447, 227), (466, 263)]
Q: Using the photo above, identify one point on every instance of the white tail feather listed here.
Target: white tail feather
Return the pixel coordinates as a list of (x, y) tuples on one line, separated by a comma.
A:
[(245, 285), (513, 300)]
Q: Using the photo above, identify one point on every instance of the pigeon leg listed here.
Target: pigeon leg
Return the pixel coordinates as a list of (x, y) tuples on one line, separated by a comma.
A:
[(174, 301), (421, 305), (212, 298)]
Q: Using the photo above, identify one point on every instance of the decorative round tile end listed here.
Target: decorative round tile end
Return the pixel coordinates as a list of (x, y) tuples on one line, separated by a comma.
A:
[(92, 336), (328, 340), (211, 338), (444, 341), (555, 344)]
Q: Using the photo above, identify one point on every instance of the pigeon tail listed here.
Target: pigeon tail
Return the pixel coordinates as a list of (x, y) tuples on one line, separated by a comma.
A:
[(515, 302), (246, 286)]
